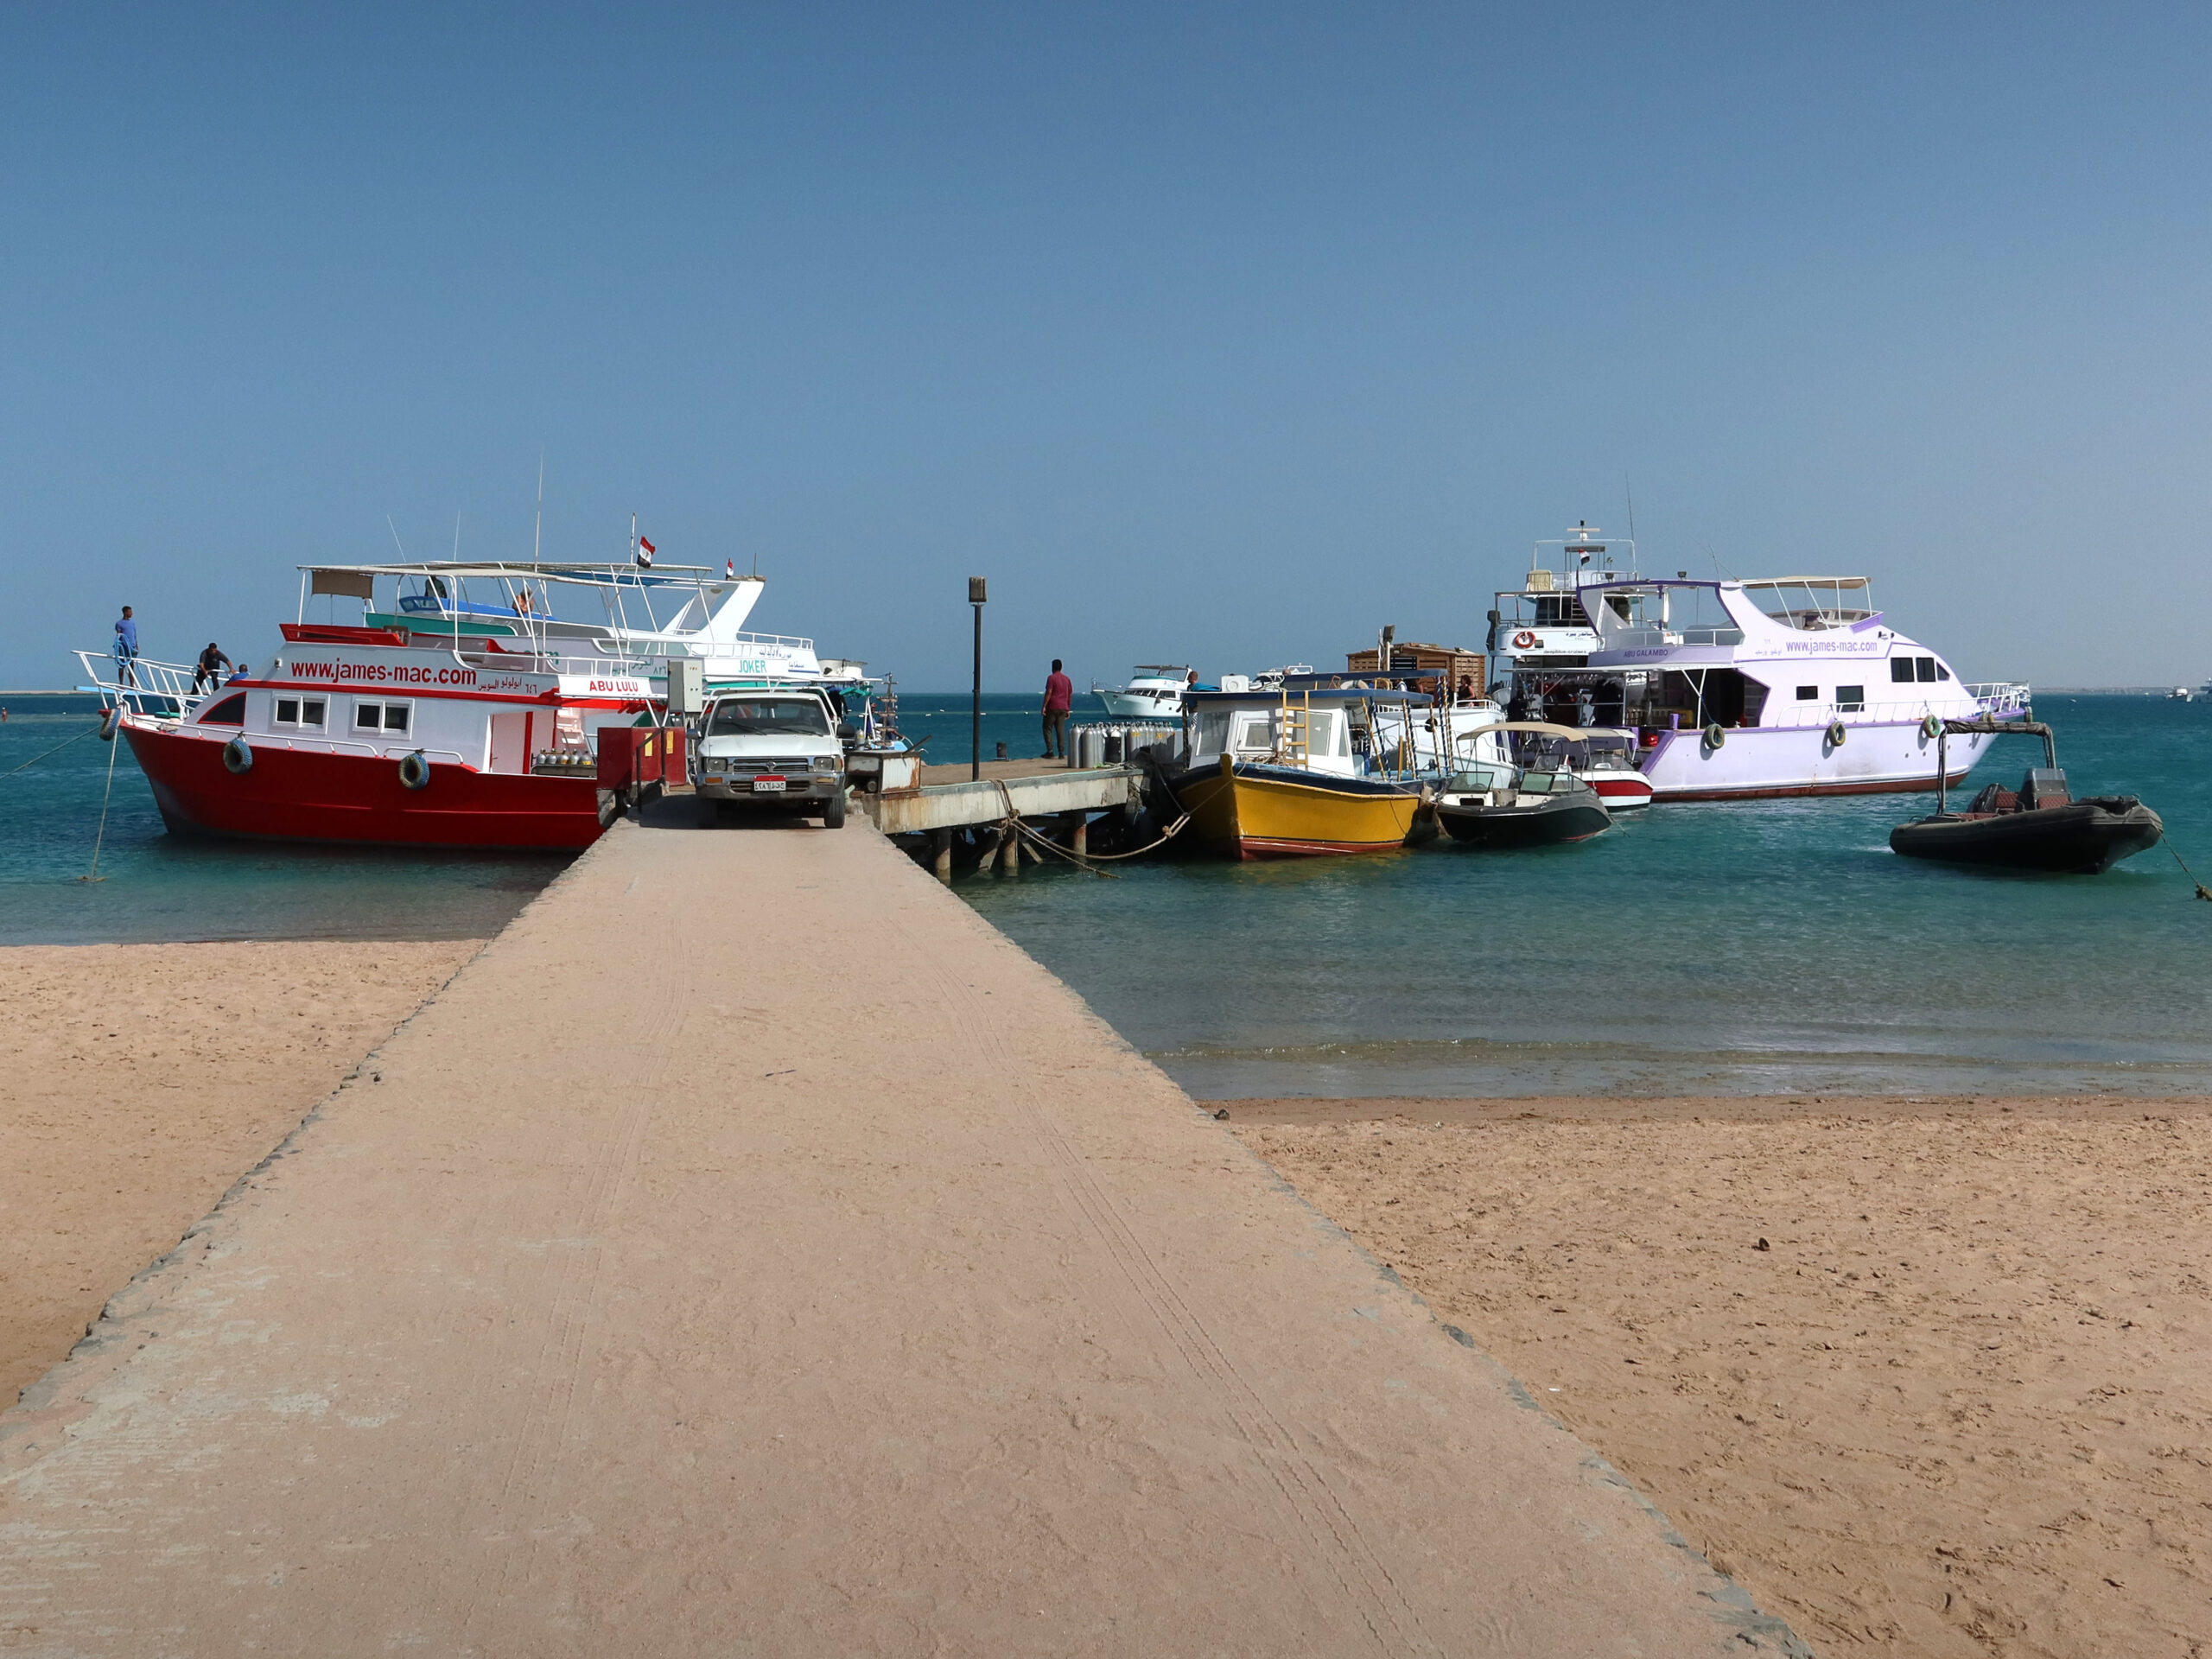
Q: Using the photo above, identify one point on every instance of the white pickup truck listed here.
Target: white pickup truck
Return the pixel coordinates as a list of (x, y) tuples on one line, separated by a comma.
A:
[(775, 750)]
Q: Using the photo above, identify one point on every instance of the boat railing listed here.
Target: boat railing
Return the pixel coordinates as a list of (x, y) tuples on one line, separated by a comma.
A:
[(1999, 696), (135, 682), (1647, 637), (310, 745)]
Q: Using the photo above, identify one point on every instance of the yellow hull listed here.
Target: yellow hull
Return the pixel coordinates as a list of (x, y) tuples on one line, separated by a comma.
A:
[(1269, 816)]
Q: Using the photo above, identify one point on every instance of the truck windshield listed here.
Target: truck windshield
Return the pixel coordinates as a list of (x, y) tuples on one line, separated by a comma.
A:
[(769, 717)]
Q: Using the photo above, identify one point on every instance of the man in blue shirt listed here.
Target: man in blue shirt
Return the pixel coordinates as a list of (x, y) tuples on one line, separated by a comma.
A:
[(126, 648)]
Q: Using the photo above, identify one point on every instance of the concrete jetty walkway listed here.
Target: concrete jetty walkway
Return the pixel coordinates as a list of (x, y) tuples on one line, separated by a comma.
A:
[(753, 1253)]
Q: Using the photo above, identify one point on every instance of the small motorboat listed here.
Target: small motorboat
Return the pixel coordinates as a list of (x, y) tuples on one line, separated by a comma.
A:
[(2039, 826), (1499, 806)]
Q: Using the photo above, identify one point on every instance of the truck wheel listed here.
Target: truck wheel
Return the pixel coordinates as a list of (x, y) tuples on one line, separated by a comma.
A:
[(833, 812)]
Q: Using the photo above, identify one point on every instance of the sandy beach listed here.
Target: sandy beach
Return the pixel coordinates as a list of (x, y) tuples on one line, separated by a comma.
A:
[(1926, 1376), (143, 1080)]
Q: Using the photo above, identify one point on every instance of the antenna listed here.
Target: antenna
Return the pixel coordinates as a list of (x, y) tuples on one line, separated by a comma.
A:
[(456, 536), (537, 535), (1630, 490), (396, 542)]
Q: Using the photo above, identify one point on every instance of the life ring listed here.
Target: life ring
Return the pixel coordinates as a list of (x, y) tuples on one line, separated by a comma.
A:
[(414, 771), (1835, 734), (1714, 737), (110, 721), (237, 758), (1523, 640), (1931, 727)]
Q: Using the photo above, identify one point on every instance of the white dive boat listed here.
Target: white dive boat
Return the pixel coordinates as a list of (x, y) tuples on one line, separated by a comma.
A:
[(1154, 692), (1791, 685)]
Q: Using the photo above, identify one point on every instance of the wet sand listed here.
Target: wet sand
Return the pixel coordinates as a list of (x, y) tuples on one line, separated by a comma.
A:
[(1927, 1376), (138, 1082)]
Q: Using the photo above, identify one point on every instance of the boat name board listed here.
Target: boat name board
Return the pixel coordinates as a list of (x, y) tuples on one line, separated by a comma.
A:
[(595, 685), (341, 672)]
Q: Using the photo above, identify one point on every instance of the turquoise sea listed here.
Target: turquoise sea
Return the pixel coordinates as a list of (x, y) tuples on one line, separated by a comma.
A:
[(1710, 948), (1725, 948)]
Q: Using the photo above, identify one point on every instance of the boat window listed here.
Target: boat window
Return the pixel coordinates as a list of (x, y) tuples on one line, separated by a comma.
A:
[(1942, 672), (300, 711), (1809, 694), (381, 716), (768, 718), (1851, 696), (1255, 731), (1213, 732), (231, 711), (1927, 667), (395, 716), (1901, 670)]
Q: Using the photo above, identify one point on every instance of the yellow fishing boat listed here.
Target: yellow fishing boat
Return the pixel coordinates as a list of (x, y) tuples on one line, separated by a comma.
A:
[(1277, 775)]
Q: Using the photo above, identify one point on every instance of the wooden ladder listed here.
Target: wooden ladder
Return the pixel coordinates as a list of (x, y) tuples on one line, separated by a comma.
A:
[(1293, 732)]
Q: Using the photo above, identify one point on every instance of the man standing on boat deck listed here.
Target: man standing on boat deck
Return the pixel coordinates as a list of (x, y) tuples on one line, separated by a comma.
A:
[(1059, 698), (208, 673), (126, 649)]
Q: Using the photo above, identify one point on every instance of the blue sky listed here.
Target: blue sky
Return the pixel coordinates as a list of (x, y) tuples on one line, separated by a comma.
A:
[(1223, 333)]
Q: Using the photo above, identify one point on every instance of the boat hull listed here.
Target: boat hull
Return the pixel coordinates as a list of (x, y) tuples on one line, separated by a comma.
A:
[(1548, 823), (1284, 812), (297, 794), (1757, 762), (2082, 838), (1125, 705)]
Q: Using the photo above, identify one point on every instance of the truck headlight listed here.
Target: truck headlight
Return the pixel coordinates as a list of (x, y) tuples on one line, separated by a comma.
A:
[(827, 763)]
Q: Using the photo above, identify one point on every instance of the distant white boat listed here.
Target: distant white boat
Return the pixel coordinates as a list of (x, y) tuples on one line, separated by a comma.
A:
[(1154, 691), (2182, 693)]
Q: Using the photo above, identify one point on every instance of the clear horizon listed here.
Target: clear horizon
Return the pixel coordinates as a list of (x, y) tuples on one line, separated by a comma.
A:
[(1226, 335)]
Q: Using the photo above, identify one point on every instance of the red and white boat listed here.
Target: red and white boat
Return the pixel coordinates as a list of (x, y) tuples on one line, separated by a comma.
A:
[(463, 714)]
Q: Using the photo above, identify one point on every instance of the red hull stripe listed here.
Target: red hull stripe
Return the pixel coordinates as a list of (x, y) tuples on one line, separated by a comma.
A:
[(297, 795), (348, 688), (1894, 786), (1265, 846)]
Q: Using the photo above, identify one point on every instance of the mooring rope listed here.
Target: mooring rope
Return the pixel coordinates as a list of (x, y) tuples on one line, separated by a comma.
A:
[(56, 749), (2202, 891), (95, 874), (1012, 824)]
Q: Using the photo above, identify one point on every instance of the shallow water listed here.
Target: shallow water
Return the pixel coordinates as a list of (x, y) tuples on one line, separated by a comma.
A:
[(1696, 947), (155, 887)]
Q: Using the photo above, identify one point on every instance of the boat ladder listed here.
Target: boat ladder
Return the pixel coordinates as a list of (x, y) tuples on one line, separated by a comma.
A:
[(1293, 729)]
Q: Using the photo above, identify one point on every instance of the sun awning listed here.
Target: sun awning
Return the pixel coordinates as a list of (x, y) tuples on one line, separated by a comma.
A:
[(348, 584)]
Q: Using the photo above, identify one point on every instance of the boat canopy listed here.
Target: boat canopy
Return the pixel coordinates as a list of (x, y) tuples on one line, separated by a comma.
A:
[(1813, 602)]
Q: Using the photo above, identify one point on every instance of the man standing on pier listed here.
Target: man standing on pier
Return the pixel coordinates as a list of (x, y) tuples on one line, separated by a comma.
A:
[(1059, 698)]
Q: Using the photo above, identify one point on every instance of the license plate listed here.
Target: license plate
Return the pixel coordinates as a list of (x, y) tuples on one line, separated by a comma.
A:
[(767, 785)]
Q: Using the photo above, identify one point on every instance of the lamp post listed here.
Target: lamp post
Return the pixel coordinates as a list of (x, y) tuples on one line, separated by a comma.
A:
[(977, 597)]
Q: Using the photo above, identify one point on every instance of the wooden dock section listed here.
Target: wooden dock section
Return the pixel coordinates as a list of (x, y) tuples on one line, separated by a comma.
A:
[(752, 1252)]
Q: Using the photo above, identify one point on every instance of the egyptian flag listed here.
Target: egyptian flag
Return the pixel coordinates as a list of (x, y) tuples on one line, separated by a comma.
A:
[(645, 554)]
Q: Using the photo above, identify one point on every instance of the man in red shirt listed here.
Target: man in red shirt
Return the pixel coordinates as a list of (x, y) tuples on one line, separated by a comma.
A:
[(1059, 697)]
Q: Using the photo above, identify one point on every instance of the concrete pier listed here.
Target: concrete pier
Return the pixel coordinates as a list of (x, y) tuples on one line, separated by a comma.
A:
[(752, 1252)]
